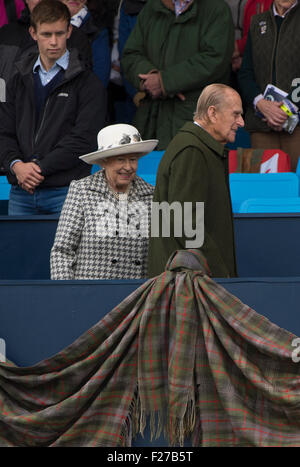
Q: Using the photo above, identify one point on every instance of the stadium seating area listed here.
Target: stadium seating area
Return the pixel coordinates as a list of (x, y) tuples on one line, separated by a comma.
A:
[(255, 192), (244, 187), (250, 192)]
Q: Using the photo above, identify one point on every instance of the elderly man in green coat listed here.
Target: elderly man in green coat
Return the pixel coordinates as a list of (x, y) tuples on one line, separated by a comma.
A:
[(194, 169), (175, 49)]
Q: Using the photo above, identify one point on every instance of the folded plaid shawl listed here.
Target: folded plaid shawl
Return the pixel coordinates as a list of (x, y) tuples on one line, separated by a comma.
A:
[(180, 349)]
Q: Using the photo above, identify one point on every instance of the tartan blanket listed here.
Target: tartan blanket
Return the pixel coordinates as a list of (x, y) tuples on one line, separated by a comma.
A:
[(179, 351), (249, 160)]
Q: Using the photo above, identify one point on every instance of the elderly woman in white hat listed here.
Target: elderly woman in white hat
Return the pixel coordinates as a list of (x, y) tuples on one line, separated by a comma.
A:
[(103, 229)]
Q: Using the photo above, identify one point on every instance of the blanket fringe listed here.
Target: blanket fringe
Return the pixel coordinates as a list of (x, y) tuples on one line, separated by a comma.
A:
[(130, 426), (178, 430), (175, 430)]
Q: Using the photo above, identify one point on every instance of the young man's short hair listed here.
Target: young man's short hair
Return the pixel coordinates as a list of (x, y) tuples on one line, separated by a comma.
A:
[(49, 11)]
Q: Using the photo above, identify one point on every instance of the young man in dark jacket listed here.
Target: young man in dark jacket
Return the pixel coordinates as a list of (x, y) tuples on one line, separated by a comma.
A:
[(16, 43), (53, 111)]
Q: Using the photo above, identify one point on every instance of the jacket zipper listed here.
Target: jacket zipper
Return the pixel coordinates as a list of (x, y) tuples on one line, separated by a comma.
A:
[(35, 138), (42, 122)]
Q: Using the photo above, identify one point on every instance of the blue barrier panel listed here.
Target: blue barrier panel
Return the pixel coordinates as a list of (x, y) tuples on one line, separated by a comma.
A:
[(40, 318), (266, 245), (4, 195), (25, 246), (278, 205), (3, 207), (4, 188), (272, 185)]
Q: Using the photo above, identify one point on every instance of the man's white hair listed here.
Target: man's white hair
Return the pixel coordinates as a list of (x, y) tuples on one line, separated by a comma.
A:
[(212, 95)]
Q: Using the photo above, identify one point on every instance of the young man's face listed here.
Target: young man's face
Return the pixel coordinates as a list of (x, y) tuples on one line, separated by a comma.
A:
[(52, 40)]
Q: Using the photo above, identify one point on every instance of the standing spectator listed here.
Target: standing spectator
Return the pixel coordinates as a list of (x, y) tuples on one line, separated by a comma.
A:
[(52, 114), (194, 169), (116, 90), (252, 7), (102, 233), (271, 57), (98, 37), (16, 42), (173, 52), (128, 15), (242, 12), (10, 11)]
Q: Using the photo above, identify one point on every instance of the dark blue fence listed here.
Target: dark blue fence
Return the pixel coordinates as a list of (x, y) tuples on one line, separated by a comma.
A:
[(266, 245)]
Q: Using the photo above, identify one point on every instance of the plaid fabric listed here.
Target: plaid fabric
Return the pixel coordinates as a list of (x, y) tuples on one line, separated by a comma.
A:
[(181, 349), (249, 160)]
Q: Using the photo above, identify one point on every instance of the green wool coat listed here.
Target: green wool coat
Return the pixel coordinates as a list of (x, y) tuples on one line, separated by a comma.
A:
[(193, 169), (191, 51)]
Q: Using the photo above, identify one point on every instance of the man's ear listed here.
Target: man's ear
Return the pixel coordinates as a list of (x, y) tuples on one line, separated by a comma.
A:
[(32, 32), (70, 29), (211, 113)]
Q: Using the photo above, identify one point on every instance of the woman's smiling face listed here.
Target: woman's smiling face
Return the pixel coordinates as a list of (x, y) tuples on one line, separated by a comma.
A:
[(120, 171)]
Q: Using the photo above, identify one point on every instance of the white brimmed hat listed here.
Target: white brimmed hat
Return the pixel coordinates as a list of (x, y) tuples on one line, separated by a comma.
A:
[(117, 140)]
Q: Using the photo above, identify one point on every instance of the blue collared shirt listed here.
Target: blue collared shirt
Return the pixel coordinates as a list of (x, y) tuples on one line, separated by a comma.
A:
[(180, 7), (47, 76)]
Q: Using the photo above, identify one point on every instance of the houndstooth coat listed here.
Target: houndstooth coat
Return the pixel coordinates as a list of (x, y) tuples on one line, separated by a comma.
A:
[(99, 237)]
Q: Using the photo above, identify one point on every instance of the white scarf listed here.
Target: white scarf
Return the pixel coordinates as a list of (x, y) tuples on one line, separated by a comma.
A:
[(77, 19)]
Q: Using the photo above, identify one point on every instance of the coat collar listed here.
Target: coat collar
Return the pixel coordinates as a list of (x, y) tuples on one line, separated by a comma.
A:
[(164, 6), (170, 5), (140, 188), (206, 138), (25, 65)]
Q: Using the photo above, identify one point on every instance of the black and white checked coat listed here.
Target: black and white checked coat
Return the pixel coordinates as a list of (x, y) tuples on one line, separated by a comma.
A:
[(98, 237)]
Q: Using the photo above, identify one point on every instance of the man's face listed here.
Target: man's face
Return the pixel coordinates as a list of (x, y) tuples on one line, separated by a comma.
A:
[(31, 4), (74, 5), (52, 40), (228, 118)]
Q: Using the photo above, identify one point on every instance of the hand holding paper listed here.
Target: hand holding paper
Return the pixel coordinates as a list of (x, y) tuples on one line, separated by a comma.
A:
[(277, 110), (272, 112)]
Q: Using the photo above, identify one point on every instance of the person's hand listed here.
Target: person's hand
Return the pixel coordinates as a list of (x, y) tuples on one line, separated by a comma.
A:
[(152, 84), (180, 96), (274, 127), (28, 175), (274, 115)]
